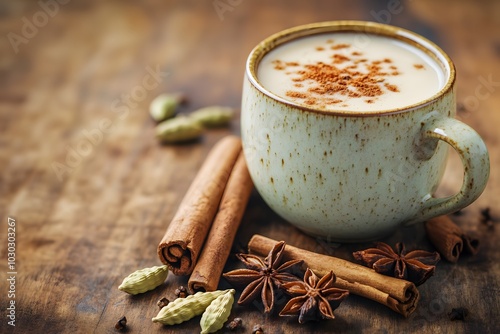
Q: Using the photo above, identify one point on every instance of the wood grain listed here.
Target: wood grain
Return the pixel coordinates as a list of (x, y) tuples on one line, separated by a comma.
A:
[(78, 85)]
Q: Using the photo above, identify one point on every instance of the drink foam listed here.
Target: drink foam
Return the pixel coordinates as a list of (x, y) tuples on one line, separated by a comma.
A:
[(350, 71)]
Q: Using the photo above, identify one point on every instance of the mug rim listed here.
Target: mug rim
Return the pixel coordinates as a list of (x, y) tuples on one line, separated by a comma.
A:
[(367, 27)]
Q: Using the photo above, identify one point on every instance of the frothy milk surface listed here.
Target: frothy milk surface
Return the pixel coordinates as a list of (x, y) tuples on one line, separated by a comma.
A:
[(350, 72)]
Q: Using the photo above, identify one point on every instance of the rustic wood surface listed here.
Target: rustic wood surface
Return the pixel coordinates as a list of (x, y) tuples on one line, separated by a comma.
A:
[(92, 191)]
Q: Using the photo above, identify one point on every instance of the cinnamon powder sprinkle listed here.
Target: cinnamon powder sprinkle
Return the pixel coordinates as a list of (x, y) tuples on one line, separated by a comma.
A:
[(340, 46), (360, 61), (296, 94), (327, 79), (330, 79), (339, 59), (392, 88), (311, 101), (418, 66), (320, 48), (278, 65)]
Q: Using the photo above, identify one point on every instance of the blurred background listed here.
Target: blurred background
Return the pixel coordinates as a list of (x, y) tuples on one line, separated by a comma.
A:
[(80, 168)]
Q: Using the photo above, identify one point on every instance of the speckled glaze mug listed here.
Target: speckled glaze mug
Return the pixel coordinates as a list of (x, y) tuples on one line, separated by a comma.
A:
[(353, 176)]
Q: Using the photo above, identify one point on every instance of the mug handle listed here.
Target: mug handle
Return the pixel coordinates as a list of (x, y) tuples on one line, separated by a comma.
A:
[(473, 153)]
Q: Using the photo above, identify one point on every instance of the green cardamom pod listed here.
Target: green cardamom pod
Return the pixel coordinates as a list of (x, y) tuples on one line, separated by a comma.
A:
[(144, 280), (164, 105), (183, 309), (178, 130), (213, 116), (217, 313)]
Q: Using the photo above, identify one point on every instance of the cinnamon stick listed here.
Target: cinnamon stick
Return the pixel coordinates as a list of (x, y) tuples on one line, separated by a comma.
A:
[(399, 295), (449, 239), (208, 270), (183, 240)]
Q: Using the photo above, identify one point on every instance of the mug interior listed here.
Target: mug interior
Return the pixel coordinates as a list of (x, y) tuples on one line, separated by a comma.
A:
[(361, 27)]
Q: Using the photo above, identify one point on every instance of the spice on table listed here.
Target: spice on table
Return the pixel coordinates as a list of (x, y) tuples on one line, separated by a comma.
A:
[(183, 309), (399, 295), (257, 329), (314, 298), (217, 313), (208, 270), (486, 217), (162, 302), (449, 239), (234, 324), (144, 280), (181, 292), (184, 237), (213, 116), (178, 130), (459, 313), (416, 266), (121, 324), (164, 105), (263, 276)]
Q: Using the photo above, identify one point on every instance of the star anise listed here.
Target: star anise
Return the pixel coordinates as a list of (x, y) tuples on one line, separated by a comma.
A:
[(262, 276), (315, 298), (416, 266)]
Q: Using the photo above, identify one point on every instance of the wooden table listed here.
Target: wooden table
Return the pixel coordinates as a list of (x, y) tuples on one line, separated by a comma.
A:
[(92, 191)]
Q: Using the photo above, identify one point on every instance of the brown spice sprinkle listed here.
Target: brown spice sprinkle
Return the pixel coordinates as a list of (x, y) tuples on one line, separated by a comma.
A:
[(278, 65), (296, 95), (320, 48), (340, 46), (392, 88), (339, 59), (327, 79), (418, 66), (310, 101)]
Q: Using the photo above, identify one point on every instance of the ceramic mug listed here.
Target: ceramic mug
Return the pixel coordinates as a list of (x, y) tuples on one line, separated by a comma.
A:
[(353, 176)]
